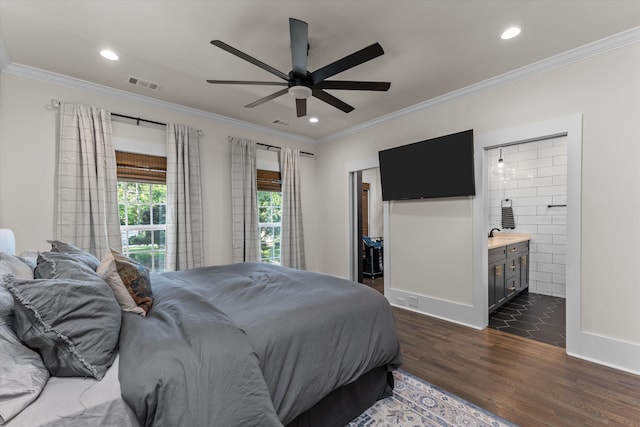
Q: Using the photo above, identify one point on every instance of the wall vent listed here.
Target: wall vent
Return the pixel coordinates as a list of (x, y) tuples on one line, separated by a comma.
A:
[(281, 123), (147, 84)]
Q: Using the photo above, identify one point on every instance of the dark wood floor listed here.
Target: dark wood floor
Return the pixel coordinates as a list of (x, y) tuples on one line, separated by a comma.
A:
[(526, 382), (377, 283)]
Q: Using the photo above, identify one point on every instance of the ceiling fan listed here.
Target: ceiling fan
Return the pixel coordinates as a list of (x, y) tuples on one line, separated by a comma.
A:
[(300, 82)]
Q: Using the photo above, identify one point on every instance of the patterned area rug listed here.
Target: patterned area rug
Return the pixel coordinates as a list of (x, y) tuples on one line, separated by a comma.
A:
[(416, 403)]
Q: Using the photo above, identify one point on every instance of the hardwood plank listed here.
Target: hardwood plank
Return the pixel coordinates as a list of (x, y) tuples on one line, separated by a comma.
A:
[(524, 381)]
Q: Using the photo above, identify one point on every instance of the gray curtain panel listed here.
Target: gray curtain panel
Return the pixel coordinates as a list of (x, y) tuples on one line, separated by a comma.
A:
[(244, 200), (87, 202), (184, 238), (292, 236)]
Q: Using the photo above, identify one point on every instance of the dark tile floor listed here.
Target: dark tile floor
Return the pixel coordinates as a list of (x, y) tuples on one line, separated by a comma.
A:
[(535, 316)]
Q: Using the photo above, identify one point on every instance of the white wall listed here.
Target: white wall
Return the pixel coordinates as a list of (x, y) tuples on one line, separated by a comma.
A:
[(28, 128), (605, 89)]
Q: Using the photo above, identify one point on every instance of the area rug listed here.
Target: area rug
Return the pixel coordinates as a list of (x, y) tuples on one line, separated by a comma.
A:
[(416, 403)]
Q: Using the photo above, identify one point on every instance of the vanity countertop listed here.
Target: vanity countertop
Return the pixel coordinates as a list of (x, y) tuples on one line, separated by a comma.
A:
[(503, 239)]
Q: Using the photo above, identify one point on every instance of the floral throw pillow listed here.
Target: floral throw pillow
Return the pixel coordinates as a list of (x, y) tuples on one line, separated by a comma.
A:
[(129, 281)]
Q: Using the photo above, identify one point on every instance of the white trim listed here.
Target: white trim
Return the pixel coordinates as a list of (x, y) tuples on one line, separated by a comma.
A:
[(350, 168), (451, 311), (551, 63), (571, 126), (603, 350), (122, 95), (617, 354)]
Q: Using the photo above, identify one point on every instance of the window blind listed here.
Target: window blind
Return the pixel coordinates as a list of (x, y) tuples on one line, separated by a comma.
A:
[(268, 180), (141, 167)]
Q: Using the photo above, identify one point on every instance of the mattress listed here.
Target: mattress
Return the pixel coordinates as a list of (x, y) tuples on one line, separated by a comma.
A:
[(72, 401)]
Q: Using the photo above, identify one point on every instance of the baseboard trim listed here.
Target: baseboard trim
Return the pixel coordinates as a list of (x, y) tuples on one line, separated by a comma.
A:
[(451, 311), (616, 354)]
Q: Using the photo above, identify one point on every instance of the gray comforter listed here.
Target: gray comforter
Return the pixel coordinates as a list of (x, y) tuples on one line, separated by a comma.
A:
[(249, 345)]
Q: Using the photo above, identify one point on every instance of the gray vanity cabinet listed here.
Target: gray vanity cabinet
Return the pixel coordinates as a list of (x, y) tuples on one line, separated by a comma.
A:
[(508, 272), (497, 282)]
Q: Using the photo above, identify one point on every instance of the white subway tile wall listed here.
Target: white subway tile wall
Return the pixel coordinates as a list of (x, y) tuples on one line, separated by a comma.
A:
[(534, 175)]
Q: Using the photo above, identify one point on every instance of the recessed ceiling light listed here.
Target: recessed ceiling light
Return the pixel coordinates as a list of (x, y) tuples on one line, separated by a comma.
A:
[(109, 54), (510, 33), (313, 120)]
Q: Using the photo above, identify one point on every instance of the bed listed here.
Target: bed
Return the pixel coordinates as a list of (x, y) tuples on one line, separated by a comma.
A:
[(234, 345)]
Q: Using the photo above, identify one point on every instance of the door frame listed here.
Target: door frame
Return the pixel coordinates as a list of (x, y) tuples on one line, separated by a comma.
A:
[(352, 199), (571, 127)]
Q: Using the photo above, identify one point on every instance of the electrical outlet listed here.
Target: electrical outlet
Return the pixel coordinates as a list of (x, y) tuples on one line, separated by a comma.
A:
[(401, 300), (413, 301)]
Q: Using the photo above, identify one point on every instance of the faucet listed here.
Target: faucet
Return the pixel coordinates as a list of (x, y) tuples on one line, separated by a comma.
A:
[(491, 232)]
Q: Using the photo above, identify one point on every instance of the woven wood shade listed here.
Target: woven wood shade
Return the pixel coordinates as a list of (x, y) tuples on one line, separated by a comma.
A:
[(269, 180), (141, 167)]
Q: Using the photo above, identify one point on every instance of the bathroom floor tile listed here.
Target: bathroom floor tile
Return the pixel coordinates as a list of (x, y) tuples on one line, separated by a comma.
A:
[(535, 316)]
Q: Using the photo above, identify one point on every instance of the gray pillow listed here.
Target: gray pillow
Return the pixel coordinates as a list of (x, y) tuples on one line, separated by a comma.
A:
[(22, 374), (11, 264), (73, 324), (54, 265), (79, 254), (6, 307)]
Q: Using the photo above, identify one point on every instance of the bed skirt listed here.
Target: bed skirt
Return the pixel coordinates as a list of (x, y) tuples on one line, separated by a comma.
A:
[(346, 403)]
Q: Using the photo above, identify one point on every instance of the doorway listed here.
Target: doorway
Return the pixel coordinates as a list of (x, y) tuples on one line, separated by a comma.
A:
[(368, 229), (530, 178)]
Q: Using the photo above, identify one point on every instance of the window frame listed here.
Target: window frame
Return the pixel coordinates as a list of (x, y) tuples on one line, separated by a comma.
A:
[(142, 169), (269, 181)]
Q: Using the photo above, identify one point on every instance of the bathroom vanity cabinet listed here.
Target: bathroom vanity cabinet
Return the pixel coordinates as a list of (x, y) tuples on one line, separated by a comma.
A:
[(508, 268)]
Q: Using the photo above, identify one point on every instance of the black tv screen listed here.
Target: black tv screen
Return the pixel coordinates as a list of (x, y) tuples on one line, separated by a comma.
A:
[(438, 167)]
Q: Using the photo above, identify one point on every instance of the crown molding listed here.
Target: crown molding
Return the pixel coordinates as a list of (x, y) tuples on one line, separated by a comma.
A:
[(598, 47), (557, 61), (122, 95)]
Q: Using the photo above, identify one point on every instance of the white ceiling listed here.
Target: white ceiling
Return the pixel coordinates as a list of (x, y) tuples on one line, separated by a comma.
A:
[(431, 47)]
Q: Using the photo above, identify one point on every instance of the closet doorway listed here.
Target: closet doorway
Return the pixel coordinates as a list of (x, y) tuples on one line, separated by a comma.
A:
[(367, 228)]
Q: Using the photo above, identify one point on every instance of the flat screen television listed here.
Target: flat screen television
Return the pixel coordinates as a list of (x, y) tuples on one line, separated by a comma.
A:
[(438, 167)]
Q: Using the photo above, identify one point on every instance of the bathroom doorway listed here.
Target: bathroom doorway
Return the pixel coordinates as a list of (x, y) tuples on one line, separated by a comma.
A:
[(527, 199), (367, 228)]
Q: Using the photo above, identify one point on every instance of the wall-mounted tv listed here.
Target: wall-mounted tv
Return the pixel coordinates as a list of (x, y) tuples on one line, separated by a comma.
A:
[(438, 167)]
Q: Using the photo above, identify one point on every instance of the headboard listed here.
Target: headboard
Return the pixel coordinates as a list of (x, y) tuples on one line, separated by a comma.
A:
[(7, 241)]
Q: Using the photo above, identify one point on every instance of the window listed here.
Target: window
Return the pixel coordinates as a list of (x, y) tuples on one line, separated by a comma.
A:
[(142, 203), (269, 215)]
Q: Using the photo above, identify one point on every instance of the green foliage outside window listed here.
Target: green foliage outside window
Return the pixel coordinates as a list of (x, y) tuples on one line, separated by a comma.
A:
[(142, 208), (269, 219)]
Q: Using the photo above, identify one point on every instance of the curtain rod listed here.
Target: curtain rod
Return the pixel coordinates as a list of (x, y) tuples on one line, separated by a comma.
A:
[(275, 147), (56, 104)]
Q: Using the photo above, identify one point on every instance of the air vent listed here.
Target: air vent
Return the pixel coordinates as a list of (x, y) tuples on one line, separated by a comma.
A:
[(281, 123), (147, 84)]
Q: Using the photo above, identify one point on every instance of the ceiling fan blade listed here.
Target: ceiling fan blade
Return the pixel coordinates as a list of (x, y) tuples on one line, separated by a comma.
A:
[(244, 82), (349, 61), (352, 85), (299, 32), (301, 107), (267, 98), (222, 45), (332, 100)]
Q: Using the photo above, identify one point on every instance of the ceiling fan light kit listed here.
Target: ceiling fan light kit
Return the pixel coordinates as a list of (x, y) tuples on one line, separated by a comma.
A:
[(300, 92), (303, 84)]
